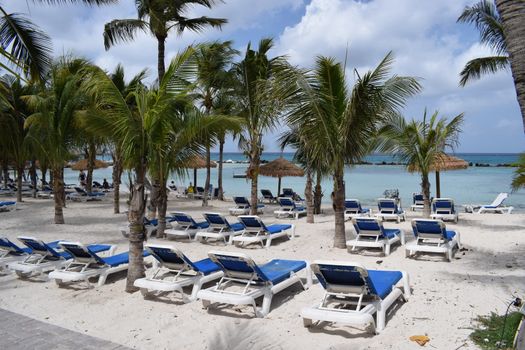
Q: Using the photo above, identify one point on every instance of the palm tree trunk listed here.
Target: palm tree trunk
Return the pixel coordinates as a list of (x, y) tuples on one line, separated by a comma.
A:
[(339, 206), (318, 194), (255, 161), (116, 176), (32, 173), (58, 189), (220, 165), (19, 172), (309, 198), (425, 190), (136, 231), (92, 150), (5, 169), (62, 189), (43, 170), (208, 176), (163, 206), (161, 41), (512, 15), (154, 200)]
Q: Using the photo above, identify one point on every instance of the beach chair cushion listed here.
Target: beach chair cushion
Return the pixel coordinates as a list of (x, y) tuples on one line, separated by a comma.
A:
[(2, 204), (184, 219), (219, 220), (6, 244), (365, 224), (381, 282), (167, 255), (276, 228), (391, 232), (117, 259), (206, 266), (432, 227), (237, 226)]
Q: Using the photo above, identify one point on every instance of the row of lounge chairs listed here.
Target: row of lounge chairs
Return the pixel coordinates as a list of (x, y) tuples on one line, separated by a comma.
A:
[(353, 294), (288, 207)]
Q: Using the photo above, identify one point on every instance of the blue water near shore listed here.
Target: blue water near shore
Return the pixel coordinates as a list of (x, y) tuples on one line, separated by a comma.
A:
[(367, 182)]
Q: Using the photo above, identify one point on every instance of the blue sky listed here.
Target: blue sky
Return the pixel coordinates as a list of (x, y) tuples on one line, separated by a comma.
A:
[(424, 36)]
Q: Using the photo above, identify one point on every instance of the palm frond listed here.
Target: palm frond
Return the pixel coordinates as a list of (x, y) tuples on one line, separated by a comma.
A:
[(84, 2), (122, 30), (198, 24), (477, 67)]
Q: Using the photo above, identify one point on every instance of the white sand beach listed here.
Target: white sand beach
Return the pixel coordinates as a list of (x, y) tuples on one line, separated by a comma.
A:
[(446, 296)]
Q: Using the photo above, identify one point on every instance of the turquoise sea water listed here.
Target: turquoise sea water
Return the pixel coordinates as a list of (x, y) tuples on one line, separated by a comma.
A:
[(367, 182)]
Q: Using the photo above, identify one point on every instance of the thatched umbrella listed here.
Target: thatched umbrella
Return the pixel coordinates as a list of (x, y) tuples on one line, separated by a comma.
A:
[(443, 163), (279, 168), (195, 163), (83, 165)]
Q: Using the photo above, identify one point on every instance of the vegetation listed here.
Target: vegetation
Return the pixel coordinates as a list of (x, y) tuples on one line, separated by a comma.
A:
[(518, 181), (488, 333)]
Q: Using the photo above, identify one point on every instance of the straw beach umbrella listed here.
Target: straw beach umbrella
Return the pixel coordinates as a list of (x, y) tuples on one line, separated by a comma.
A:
[(195, 163), (83, 165), (443, 163), (279, 168)]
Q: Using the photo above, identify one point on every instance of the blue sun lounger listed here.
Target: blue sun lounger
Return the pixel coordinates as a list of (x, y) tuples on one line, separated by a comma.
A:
[(257, 232), (254, 280), (289, 208), (7, 206), (353, 209), (82, 195), (86, 263), (45, 257), (174, 271), (418, 202), (353, 294), (370, 233), (186, 226), (243, 206), (432, 236), (267, 195), (389, 208), (10, 252), (218, 228), (444, 209)]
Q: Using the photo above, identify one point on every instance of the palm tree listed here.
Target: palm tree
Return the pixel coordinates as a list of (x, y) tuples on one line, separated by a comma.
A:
[(421, 144), (518, 181), (213, 80), (256, 79), (501, 27), (54, 126), (339, 124), (158, 18)]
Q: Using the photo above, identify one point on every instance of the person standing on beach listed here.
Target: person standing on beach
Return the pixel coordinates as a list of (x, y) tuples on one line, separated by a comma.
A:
[(82, 178)]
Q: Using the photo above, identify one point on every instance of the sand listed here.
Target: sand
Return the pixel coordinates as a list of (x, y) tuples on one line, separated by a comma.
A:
[(446, 296)]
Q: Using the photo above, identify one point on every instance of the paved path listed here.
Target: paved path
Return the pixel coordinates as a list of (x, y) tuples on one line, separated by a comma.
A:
[(20, 332)]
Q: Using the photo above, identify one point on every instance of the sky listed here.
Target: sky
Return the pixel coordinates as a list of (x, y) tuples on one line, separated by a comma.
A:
[(423, 35)]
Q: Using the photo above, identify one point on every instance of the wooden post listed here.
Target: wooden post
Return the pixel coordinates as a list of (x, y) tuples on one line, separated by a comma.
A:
[(195, 179), (279, 187), (438, 186)]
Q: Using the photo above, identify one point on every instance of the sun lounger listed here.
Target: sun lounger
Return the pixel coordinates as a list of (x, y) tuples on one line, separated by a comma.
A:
[(432, 236), (44, 258), (244, 281), (353, 209), (186, 227), (7, 206), (289, 208), (418, 203), (218, 229), (10, 252), (81, 195), (268, 196), (257, 232), (242, 206), (85, 263), (389, 208), (495, 207), (174, 271), (149, 225), (370, 233), (6, 192), (353, 294), (444, 209), (288, 193)]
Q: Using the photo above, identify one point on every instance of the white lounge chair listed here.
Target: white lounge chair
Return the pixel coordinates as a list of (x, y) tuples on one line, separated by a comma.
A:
[(444, 209), (389, 208), (174, 271), (432, 236), (243, 206), (353, 294), (218, 229), (85, 264), (289, 208), (257, 232), (370, 233), (254, 280), (7, 206), (186, 226), (10, 252), (44, 258), (418, 202), (495, 207), (353, 209)]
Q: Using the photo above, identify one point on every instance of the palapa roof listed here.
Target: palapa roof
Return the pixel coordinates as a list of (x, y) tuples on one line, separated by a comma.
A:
[(280, 167), (83, 164), (443, 163), (198, 162)]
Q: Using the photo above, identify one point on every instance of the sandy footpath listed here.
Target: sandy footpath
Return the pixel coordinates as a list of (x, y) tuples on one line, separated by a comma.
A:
[(446, 296)]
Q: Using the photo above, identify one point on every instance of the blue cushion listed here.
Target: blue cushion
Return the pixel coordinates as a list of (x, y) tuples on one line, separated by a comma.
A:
[(381, 282), (7, 203), (237, 226), (203, 224), (276, 228), (449, 234), (119, 259), (278, 270), (206, 266), (391, 232)]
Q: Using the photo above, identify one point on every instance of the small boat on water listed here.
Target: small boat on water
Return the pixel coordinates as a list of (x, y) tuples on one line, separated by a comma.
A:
[(239, 176)]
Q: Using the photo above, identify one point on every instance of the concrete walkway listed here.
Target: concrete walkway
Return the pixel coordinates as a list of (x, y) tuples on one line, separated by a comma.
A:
[(21, 332)]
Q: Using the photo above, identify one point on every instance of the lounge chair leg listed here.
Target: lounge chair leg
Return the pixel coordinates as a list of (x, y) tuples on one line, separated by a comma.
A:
[(102, 279), (265, 309), (145, 293), (307, 322), (381, 317), (386, 249), (206, 303)]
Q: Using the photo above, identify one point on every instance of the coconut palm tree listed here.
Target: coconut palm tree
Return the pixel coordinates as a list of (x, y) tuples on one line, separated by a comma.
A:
[(54, 125), (339, 123), (158, 18), (501, 26), (421, 144), (256, 78), (518, 181)]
